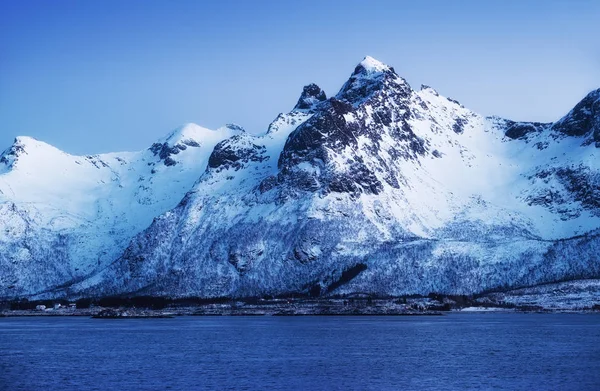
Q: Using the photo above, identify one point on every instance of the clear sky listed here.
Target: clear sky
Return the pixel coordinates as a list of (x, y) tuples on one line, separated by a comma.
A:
[(99, 76)]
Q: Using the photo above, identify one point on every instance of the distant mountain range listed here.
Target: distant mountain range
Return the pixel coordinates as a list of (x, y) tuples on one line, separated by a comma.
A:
[(380, 189)]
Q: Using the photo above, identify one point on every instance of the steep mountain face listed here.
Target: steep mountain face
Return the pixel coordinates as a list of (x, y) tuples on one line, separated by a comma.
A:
[(64, 216), (379, 189), (583, 121)]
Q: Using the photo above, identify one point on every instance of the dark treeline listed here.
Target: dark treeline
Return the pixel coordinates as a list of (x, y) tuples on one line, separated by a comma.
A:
[(158, 303), (148, 302)]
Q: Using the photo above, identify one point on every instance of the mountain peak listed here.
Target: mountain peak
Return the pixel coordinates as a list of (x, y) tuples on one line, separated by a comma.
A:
[(25, 145), (196, 134), (190, 135), (370, 76), (372, 65), (185, 131), (583, 120), (32, 142), (311, 95)]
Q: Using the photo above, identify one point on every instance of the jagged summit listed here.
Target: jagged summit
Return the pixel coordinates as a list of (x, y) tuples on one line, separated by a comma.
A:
[(25, 145), (371, 65), (187, 136), (311, 95), (368, 77), (30, 142), (372, 68)]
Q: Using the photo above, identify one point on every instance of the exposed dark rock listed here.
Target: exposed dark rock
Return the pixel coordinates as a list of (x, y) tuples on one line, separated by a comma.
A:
[(191, 143), (313, 142), (455, 101), (235, 152), (268, 184), (368, 105), (12, 153), (169, 161), (583, 120), (583, 184), (311, 95), (459, 125), (97, 162), (521, 130), (359, 179), (361, 85), (165, 151), (580, 185), (426, 87), (308, 140), (235, 127)]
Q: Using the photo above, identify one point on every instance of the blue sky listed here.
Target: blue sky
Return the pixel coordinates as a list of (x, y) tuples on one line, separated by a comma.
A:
[(98, 76)]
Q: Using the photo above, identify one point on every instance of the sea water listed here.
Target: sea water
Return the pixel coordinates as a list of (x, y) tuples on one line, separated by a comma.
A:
[(484, 351)]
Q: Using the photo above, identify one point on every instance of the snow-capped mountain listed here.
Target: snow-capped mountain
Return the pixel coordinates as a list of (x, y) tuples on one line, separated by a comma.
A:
[(380, 189), (63, 217)]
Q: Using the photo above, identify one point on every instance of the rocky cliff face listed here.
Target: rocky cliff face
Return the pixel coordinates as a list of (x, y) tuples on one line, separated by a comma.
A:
[(379, 189), (583, 121)]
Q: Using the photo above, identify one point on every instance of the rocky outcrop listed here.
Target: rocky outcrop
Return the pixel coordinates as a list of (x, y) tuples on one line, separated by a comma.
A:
[(235, 152), (312, 94), (583, 120)]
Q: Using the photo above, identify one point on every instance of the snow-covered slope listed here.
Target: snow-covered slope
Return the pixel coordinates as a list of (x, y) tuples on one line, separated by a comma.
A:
[(379, 189), (63, 217)]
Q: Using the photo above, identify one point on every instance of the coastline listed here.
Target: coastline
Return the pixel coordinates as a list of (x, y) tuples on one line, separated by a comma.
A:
[(291, 307)]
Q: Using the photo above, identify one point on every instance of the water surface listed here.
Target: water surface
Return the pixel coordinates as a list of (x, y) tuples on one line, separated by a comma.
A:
[(452, 352)]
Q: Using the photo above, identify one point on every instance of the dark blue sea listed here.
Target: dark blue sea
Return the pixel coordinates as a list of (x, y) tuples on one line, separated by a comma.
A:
[(486, 351)]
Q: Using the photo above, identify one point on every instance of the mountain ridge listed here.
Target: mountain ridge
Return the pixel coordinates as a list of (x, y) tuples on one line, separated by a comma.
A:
[(425, 194)]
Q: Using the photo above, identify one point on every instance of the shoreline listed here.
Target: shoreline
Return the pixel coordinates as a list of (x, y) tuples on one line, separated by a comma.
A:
[(291, 307)]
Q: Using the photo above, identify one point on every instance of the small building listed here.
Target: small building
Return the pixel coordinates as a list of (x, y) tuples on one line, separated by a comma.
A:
[(40, 307)]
